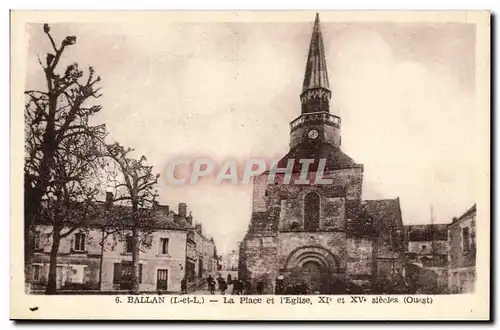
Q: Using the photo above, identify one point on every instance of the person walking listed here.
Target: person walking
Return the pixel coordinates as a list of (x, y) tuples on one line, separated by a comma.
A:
[(222, 285), (184, 285), (211, 284), (237, 287)]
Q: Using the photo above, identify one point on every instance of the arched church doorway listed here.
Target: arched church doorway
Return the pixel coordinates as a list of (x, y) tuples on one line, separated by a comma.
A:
[(311, 270)]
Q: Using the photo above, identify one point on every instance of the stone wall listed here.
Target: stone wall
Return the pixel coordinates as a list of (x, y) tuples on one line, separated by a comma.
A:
[(259, 263), (360, 263)]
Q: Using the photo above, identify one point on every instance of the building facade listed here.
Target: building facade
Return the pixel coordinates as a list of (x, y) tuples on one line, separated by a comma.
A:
[(462, 252), (427, 258), (230, 261), (320, 237), (93, 259)]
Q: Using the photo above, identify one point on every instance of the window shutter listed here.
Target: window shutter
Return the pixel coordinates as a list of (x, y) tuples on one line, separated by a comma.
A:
[(140, 273)]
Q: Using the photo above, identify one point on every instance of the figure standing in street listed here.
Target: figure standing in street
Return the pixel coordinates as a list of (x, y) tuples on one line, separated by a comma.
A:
[(222, 285), (184, 285), (237, 287), (211, 284)]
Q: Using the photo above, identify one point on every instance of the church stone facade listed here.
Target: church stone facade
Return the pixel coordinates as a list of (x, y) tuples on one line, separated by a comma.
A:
[(321, 237)]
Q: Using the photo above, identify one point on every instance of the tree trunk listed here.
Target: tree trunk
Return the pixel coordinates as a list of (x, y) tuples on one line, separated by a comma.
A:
[(33, 204), (52, 280), (135, 259), (101, 261)]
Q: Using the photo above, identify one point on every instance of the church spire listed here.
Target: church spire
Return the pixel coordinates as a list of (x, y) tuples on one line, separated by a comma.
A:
[(315, 88)]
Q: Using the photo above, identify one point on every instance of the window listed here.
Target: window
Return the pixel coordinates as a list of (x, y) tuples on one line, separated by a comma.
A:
[(129, 243), (164, 245), (465, 240), (473, 241), (122, 272), (37, 240), (424, 248), (79, 242), (311, 211)]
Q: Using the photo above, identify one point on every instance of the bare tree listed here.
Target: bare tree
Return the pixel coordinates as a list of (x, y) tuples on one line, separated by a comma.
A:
[(71, 199), (56, 122), (134, 187)]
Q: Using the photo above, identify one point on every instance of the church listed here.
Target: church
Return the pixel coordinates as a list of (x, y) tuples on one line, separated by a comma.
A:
[(320, 238)]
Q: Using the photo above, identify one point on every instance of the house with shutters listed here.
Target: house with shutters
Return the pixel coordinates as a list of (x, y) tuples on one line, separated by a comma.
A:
[(99, 258)]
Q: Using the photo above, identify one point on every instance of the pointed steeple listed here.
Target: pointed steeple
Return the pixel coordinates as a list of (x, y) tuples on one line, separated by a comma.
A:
[(317, 127), (316, 72), (316, 88)]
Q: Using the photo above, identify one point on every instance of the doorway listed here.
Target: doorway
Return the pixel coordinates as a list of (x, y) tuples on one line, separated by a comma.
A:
[(59, 277), (312, 276), (162, 279)]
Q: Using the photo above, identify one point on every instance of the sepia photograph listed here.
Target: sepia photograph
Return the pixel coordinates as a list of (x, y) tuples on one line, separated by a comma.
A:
[(250, 158)]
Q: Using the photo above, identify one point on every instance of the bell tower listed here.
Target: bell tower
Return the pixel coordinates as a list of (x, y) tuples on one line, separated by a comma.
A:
[(316, 125)]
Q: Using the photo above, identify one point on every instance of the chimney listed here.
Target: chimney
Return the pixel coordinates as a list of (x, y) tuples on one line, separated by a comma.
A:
[(190, 218), (163, 210), (182, 210), (109, 198), (198, 228)]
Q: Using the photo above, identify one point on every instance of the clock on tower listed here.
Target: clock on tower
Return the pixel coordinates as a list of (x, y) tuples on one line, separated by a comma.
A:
[(313, 134)]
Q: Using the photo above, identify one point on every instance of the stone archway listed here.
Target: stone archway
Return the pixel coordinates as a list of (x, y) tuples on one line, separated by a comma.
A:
[(312, 267)]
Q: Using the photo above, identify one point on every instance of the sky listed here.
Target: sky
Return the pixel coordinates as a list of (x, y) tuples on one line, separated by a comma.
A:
[(405, 93)]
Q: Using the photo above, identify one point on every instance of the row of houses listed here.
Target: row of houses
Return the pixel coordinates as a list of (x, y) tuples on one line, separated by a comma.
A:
[(441, 258), (97, 259)]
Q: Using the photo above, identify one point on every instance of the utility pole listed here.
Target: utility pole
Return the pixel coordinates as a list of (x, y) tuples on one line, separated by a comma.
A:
[(433, 232)]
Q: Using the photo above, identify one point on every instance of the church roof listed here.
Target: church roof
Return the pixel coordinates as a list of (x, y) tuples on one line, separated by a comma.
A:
[(388, 224), (385, 213), (335, 158), (316, 75)]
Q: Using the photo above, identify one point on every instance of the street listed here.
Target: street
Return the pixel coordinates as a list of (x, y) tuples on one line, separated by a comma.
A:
[(203, 290)]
